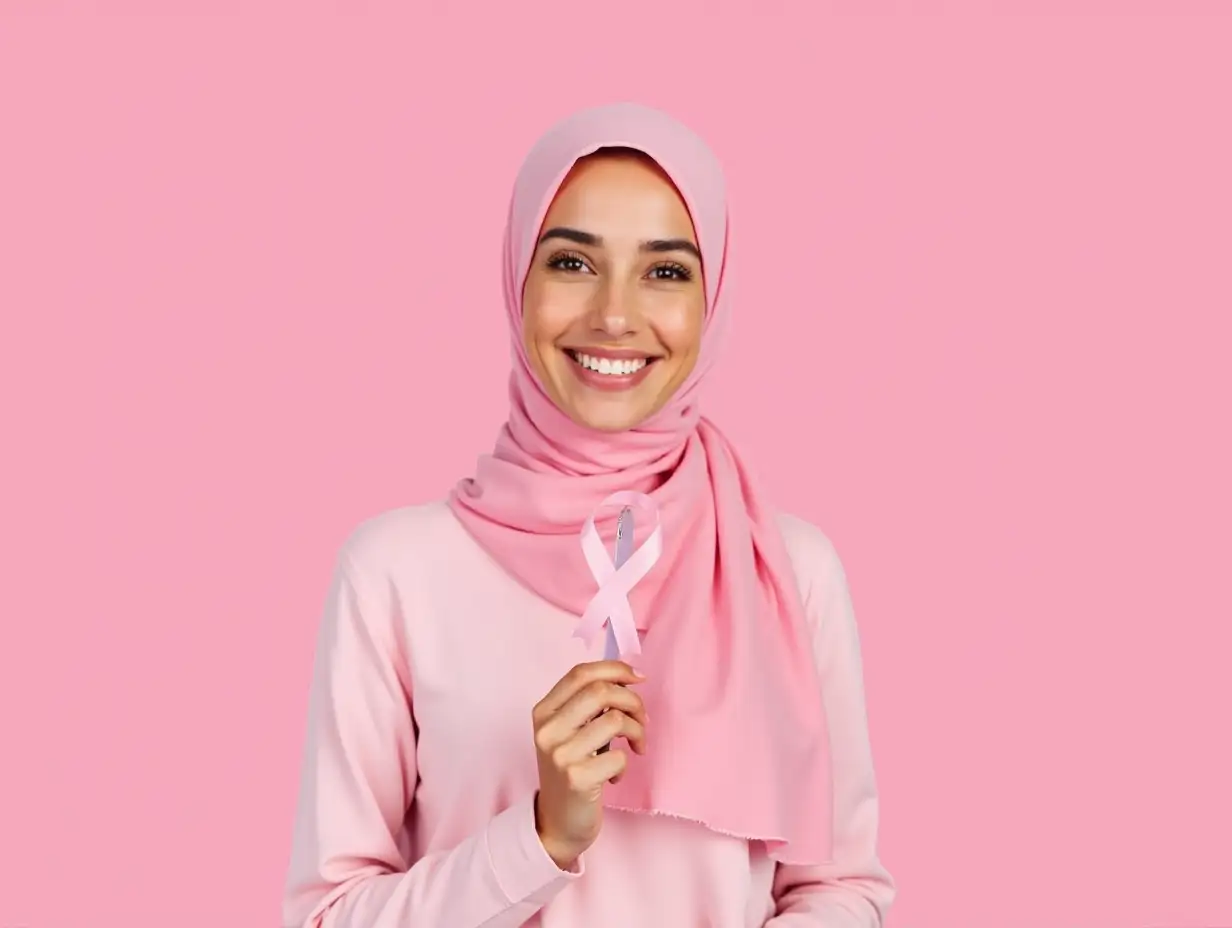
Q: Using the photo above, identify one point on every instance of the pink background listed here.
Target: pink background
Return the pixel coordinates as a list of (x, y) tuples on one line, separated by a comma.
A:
[(249, 282)]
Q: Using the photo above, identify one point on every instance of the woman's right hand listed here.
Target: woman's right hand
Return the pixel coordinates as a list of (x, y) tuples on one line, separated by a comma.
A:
[(585, 710)]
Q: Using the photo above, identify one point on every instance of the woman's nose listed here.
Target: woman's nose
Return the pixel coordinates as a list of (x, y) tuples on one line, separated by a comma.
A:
[(614, 311)]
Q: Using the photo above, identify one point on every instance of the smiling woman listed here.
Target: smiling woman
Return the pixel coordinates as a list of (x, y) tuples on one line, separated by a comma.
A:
[(472, 763), (614, 299)]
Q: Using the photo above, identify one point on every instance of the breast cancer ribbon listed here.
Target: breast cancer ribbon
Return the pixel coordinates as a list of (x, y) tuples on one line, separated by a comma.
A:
[(611, 602)]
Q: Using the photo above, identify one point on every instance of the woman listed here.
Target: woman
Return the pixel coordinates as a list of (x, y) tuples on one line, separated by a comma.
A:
[(466, 762)]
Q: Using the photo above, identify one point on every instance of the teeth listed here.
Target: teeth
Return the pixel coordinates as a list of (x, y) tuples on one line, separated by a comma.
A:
[(609, 366)]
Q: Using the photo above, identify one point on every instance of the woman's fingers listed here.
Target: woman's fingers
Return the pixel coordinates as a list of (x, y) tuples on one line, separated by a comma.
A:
[(577, 679), (594, 735), (600, 697), (592, 773), (589, 704)]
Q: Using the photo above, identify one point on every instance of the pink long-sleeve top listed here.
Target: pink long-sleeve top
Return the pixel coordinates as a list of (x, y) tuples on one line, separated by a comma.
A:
[(416, 804)]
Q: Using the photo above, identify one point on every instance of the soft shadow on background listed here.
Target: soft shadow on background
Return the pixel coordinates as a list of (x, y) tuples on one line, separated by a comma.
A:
[(249, 277)]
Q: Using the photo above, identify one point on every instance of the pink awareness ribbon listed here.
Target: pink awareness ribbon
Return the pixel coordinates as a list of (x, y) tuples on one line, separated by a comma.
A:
[(611, 602)]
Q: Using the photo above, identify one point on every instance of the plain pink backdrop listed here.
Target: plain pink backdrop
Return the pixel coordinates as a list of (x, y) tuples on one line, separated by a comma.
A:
[(249, 284)]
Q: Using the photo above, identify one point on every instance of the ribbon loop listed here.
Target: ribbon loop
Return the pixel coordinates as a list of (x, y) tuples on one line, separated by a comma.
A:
[(611, 602)]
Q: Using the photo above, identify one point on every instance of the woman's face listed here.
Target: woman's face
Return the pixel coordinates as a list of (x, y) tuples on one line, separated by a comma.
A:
[(614, 301)]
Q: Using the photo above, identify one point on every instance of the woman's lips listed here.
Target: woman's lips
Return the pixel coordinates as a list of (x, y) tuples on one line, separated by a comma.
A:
[(616, 371)]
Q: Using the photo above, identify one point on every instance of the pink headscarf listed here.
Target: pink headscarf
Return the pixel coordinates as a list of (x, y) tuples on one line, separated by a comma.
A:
[(739, 741)]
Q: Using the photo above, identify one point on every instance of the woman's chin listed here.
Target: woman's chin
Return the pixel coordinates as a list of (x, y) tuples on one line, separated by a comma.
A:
[(608, 420), (607, 413)]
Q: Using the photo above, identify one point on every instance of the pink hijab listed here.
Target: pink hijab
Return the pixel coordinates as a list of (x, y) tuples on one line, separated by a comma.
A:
[(739, 741)]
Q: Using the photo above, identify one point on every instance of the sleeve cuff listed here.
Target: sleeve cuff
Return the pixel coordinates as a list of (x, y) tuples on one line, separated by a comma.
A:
[(522, 868)]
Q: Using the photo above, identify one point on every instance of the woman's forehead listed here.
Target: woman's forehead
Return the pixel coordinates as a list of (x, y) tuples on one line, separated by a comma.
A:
[(623, 197)]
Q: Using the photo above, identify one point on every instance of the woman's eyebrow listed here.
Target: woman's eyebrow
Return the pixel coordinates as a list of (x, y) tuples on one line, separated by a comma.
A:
[(658, 245), (672, 244), (577, 236)]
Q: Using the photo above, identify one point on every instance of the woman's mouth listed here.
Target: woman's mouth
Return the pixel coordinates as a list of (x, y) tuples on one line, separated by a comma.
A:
[(608, 373), (612, 367)]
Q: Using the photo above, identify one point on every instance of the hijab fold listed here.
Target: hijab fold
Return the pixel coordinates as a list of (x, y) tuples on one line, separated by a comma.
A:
[(740, 743)]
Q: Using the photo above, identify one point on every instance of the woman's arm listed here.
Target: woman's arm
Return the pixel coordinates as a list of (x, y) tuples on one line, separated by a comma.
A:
[(358, 781), (855, 890)]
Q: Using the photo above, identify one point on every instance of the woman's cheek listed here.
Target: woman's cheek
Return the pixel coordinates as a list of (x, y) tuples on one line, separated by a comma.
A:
[(680, 327)]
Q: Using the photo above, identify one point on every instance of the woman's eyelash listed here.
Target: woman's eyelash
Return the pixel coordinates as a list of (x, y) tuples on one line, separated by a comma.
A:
[(679, 271), (566, 261)]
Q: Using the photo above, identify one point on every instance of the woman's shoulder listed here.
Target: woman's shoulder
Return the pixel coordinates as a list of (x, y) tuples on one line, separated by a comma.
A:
[(379, 541), (813, 555), (806, 543)]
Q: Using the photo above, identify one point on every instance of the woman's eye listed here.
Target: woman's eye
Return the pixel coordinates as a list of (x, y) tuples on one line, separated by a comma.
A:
[(569, 263), (674, 272)]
